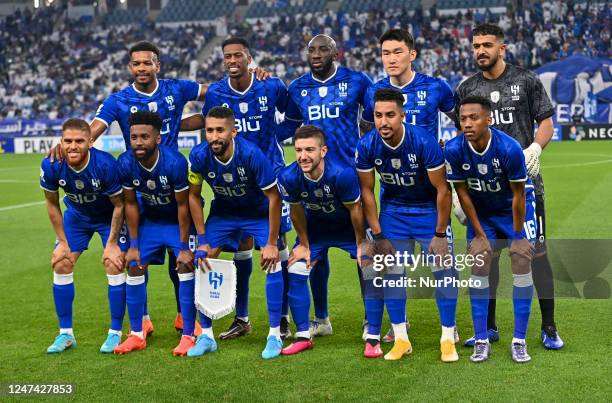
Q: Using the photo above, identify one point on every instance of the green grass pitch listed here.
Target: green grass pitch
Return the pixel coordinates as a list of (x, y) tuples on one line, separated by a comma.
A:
[(578, 180)]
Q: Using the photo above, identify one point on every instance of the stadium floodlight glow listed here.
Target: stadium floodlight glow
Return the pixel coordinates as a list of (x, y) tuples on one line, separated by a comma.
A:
[(36, 3)]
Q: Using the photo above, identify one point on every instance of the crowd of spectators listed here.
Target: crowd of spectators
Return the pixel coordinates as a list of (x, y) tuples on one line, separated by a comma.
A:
[(51, 66)]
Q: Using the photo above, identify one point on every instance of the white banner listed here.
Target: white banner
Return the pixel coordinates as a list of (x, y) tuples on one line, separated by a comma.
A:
[(215, 291), (31, 145)]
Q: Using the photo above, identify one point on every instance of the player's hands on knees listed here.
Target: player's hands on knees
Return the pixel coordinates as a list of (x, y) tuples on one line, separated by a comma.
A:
[(522, 247), (201, 255), (269, 257), (439, 247), (133, 255), (113, 254), (300, 252), (260, 74), (480, 246), (365, 254), (55, 153), (62, 251), (185, 259)]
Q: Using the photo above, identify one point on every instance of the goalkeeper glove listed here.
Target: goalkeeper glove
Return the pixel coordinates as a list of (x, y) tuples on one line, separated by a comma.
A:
[(532, 159)]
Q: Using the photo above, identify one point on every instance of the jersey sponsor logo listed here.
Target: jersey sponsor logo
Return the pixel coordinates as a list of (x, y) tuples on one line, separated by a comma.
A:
[(343, 89), (322, 92), (62, 182), (396, 163), (482, 169), (81, 199), (151, 184), (229, 191), (378, 161), (152, 106), (317, 112), (396, 179), (304, 93), (136, 182), (495, 96), (243, 125), (304, 194), (244, 107), (211, 175), (499, 117), (480, 185), (327, 208), (134, 109), (465, 167), (156, 200)]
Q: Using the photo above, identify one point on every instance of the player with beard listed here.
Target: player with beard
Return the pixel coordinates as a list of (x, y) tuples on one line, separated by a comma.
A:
[(518, 101), (329, 97)]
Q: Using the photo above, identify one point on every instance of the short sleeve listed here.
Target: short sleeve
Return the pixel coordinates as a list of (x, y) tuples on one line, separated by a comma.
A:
[(447, 100), (125, 174), (454, 173), (364, 85), (292, 111), (180, 174), (363, 160), (209, 101), (108, 111), (347, 186), (286, 190), (539, 103), (189, 89), (261, 167), (282, 97), (431, 152), (368, 105), (195, 169), (48, 178), (112, 183), (516, 170)]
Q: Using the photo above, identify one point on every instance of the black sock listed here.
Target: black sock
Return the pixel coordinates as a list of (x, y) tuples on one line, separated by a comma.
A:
[(544, 284)]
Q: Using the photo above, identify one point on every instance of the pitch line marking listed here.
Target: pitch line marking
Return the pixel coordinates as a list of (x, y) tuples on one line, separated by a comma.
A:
[(17, 206)]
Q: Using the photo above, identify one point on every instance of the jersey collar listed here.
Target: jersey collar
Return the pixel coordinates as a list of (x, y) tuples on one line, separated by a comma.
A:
[(84, 166), (398, 144), (401, 87), (144, 93), (229, 83), (486, 148), (230, 159), (317, 179), (154, 165), (328, 78)]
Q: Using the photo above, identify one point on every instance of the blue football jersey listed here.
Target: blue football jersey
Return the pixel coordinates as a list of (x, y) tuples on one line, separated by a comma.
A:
[(158, 184), (254, 110), (238, 183), (488, 174), (333, 105), (323, 199), (168, 99), (404, 181), (424, 97), (88, 190)]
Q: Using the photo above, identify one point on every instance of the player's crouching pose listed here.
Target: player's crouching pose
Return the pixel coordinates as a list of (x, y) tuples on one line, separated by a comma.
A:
[(326, 212), (415, 205), (246, 204), (159, 174), (94, 203), (487, 168)]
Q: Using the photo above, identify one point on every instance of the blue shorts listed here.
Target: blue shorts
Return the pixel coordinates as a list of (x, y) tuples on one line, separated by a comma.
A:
[(403, 225), (499, 228), (155, 237), (222, 231), (320, 243), (79, 231)]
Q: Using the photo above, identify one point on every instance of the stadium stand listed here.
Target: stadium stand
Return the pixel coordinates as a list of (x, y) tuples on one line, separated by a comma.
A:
[(195, 10)]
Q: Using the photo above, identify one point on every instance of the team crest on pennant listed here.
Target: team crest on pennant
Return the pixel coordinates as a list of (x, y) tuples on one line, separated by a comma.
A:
[(396, 163), (244, 107), (495, 96), (228, 177), (79, 184), (152, 106), (215, 291), (151, 184), (482, 169), (322, 91)]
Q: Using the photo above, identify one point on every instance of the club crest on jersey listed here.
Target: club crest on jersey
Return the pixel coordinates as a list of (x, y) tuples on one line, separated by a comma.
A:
[(515, 89), (62, 182), (322, 91), (482, 169), (95, 182), (318, 192), (152, 106), (170, 102), (136, 182), (228, 177), (244, 107), (466, 167), (263, 103), (151, 184), (495, 96), (396, 163), (79, 184), (343, 88), (422, 96)]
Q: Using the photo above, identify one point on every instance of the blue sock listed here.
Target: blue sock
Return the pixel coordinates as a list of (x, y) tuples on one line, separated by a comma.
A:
[(205, 321), (299, 300), (319, 278), (136, 291), (116, 299), (285, 308), (395, 299), (146, 304), (446, 297), (244, 267), (522, 294), (173, 274), (479, 298), (63, 297), (374, 305), (274, 297), (186, 297)]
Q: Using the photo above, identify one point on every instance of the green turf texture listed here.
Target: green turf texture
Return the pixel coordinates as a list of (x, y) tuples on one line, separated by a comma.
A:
[(578, 180)]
